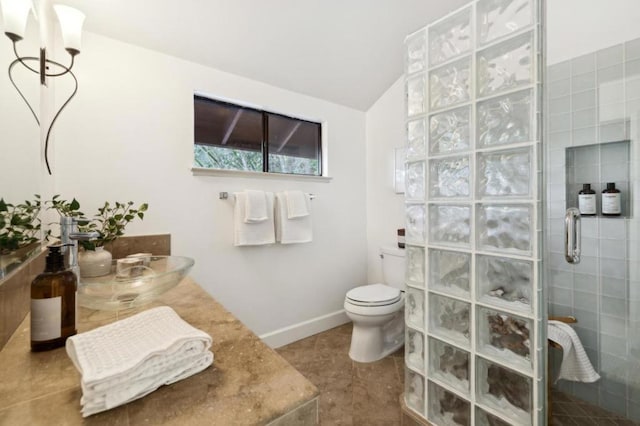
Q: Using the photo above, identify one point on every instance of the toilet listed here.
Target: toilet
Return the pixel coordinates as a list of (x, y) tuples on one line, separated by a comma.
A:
[(377, 311)]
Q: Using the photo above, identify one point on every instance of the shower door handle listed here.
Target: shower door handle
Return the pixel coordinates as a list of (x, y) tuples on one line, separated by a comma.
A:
[(572, 235)]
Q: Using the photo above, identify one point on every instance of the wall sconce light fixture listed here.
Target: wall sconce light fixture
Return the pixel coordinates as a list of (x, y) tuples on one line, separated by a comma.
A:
[(16, 14)]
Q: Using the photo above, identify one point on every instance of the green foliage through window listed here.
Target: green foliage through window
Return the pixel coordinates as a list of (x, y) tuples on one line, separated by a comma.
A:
[(214, 157), (295, 165)]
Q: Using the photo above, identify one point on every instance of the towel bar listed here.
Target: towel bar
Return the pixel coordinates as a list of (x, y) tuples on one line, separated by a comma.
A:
[(225, 195)]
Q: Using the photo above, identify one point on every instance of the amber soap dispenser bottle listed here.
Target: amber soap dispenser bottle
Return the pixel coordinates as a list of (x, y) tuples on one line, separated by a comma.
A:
[(53, 303)]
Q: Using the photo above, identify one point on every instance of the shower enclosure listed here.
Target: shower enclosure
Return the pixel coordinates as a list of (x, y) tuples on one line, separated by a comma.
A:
[(485, 227), (592, 136)]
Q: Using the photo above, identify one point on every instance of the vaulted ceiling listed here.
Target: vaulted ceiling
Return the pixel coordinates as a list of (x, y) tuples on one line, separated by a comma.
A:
[(344, 51)]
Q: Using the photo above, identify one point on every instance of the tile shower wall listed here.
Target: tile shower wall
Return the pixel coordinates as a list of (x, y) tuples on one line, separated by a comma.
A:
[(594, 105), (473, 312)]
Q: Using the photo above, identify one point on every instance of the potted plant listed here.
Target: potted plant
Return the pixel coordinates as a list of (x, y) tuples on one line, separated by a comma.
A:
[(109, 223), (19, 231)]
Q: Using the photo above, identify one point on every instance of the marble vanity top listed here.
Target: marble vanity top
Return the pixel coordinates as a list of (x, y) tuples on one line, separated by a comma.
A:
[(247, 384)]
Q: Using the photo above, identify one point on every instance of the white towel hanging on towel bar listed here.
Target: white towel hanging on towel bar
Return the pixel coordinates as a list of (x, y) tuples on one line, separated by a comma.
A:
[(296, 204), (295, 230), (256, 208), (255, 233)]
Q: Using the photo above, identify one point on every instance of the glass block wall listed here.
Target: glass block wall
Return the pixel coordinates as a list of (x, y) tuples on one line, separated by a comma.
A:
[(474, 305)]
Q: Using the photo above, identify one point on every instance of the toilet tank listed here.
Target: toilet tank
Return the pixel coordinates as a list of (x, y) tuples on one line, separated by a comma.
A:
[(393, 266)]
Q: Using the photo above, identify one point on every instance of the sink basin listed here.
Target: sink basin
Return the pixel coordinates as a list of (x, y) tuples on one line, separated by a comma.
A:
[(111, 293)]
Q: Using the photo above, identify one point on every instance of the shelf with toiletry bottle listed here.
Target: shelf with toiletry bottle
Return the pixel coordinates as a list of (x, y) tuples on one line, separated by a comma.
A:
[(598, 179)]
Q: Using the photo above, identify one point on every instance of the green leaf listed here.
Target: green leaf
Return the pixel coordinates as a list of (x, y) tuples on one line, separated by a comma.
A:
[(109, 222), (88, 245), (3, 205)]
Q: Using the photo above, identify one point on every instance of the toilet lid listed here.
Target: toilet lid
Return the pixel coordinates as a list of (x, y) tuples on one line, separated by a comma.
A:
[(374, 295)]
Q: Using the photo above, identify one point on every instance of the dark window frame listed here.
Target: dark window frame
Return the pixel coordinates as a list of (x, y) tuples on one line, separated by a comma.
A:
[(265, 114)]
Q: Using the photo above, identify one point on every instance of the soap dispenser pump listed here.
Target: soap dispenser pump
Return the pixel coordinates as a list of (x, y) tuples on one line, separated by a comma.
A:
[(53, 303)]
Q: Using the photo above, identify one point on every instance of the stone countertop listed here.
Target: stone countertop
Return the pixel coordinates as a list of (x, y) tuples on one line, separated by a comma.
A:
[(247, 384)]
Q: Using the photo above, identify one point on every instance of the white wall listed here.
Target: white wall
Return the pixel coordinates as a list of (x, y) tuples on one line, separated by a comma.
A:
[(128, 135), (385, 208), (19, 133), (577, 27)]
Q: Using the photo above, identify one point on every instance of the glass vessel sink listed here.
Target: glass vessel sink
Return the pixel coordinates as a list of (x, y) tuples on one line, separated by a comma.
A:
[(112, 292)]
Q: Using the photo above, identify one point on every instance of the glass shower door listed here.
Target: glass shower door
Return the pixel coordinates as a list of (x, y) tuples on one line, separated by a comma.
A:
[(593, 93)]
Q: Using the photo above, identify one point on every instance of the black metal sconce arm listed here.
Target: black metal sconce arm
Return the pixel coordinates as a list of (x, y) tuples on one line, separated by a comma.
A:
[(43, 61)]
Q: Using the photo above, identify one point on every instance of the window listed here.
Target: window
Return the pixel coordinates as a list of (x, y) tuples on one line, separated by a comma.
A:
[(235, 137)]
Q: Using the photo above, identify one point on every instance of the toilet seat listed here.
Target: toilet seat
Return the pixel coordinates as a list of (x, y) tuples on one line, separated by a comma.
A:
[(373, 295), (371, 310)]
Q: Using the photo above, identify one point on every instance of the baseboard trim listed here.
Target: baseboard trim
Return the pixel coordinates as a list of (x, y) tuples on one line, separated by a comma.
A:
[(295, 332)]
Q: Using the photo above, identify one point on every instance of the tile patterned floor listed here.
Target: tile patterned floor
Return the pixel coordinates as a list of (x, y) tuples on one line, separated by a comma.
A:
[(352, 393), (570, 411)]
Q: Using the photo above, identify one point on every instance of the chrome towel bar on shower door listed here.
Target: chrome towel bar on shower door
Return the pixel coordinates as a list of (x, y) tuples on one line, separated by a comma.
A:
[(572, 238)]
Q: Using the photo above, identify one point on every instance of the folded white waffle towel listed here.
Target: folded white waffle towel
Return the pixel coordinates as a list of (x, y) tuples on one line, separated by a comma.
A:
[(131, 358), (575, 362)]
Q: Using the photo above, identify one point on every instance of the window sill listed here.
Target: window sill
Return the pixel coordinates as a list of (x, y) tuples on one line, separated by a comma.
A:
[(201, 171)]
